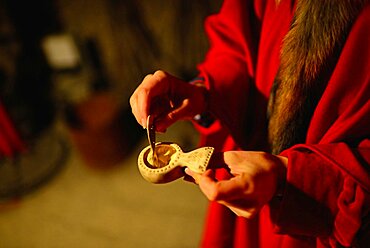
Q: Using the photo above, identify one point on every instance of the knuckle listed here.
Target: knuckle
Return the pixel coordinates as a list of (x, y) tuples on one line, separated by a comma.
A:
[(160, 74), (132, 100), (214, 194), (143, 92), (147, 76), (186, 103)]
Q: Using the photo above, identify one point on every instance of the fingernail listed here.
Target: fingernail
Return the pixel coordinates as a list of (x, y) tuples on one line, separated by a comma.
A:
[(187, 171)]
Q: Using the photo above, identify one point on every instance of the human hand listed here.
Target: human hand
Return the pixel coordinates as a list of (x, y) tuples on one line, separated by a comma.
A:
[(167, 98), (255, 179)]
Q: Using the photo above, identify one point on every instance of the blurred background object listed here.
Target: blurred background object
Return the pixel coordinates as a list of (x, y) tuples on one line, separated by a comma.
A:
[(26, 93), (68, 177)]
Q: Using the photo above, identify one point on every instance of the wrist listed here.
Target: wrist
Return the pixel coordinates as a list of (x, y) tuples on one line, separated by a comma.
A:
[(204, 117), (204, 96), (282, 171)]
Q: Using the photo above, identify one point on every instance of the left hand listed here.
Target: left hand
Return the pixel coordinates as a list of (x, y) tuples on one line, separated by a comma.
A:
[(255, 179)]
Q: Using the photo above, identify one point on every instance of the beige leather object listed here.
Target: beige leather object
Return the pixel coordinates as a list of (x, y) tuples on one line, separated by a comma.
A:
[(171, 162)]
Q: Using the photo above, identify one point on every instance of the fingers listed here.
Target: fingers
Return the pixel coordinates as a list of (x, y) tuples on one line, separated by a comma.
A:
[(189, 178), (167, 98), (178, 112), (214, 190), (194, 175), (153, 85), (226, 192), (140, 100), (162, 96)]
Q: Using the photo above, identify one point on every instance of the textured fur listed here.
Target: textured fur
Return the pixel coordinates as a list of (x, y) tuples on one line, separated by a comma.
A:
[(309, 52)]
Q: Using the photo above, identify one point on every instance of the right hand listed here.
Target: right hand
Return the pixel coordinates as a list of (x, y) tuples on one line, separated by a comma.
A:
[(255, 179), (168, 99)]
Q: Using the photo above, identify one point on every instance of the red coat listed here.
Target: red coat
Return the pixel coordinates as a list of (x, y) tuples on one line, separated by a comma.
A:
[(327, 197)]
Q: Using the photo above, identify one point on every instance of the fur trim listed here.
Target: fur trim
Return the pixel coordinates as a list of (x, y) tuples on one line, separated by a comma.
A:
[(309, 53)]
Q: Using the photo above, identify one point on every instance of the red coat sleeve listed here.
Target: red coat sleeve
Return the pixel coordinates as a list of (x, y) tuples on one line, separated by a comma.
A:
[(327, 191), (328, 181), (231, 47)]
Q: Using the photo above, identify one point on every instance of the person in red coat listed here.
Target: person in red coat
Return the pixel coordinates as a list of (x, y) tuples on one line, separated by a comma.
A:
[(284, 95)]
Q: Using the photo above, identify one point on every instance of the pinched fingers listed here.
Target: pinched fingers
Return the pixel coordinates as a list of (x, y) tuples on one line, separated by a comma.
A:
[(152, 86), (140, 101), (176, 113), (232, 193), (214, 190), (194, 177), (224, 190)]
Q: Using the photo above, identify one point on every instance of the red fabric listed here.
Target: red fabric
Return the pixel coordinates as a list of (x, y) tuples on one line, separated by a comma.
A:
[(327, 195), (10, 142)]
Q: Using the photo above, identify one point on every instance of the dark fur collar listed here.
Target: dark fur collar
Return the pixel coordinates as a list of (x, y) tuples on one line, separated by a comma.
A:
[(309, 53)]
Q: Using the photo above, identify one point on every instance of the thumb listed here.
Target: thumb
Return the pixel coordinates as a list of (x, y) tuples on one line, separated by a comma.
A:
[(194, 175)]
